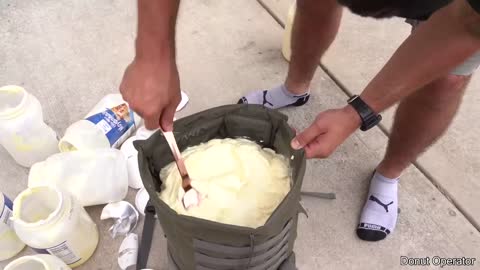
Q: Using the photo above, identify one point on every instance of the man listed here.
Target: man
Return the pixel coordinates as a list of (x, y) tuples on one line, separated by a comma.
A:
[(427, 75)]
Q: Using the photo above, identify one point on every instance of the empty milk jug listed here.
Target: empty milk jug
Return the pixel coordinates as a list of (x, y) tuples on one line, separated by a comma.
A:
[(52, 222), (287, 36), (134, 178), (93, 177), (108, 124), (37, 262), (22, 130), (10, 244)]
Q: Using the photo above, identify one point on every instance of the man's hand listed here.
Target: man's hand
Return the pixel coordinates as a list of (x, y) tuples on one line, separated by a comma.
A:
[(330, 129), (152, 89), (150, 84)]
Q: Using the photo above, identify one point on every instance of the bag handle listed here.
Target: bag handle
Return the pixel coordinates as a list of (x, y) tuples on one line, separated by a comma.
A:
[(147, 236)]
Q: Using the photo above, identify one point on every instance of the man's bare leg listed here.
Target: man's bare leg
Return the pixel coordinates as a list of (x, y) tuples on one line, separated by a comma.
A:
[(315, 27), (420, 120)]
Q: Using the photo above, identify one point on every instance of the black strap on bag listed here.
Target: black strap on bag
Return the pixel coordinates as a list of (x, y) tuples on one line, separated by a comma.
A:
[(147, 236)]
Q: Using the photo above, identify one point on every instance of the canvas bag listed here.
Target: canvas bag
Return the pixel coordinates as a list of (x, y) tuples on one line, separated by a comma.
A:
[(201, 244)]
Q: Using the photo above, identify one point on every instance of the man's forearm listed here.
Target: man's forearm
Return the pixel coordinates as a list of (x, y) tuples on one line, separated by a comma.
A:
[(448, 38), (156, 28)]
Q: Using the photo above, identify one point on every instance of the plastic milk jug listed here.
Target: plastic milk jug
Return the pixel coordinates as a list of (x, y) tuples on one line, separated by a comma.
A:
[(10, 244), (37, 262), (52, 222), (23, 133), (287, 36), (93, 177), (107, 125), (134, 178)]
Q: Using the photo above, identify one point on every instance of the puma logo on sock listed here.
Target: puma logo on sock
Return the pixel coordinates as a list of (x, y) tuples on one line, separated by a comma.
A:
[(265, 99), (375, 199), (243, 100), (375, 224), (372, 226)]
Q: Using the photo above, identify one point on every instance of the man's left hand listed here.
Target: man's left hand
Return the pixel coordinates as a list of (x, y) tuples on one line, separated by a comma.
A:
[(330, 129)]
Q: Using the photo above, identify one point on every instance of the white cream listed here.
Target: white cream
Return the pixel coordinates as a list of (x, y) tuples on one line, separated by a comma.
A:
[(240, 183)]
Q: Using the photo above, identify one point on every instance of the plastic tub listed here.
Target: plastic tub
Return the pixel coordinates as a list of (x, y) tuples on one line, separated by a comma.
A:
[(24, 134), (37, 262), (10, 244), (53, 222), (92, 176), (108, 124)]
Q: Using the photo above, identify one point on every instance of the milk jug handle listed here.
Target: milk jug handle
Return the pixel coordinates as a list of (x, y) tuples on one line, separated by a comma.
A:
[(147, 236)]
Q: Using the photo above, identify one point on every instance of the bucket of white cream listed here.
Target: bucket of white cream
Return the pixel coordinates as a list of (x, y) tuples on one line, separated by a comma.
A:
[(240, 183), (239, 158)]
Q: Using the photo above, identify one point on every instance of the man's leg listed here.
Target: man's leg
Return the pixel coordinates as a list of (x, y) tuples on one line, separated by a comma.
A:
[(315, 27), (419, 121)]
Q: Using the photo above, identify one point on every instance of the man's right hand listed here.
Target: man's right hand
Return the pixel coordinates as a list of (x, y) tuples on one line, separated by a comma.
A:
[(152, 89)]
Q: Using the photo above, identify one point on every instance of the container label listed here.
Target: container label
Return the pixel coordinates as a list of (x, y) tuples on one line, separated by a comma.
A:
[(6, 212), (61, 251), (114, 122)]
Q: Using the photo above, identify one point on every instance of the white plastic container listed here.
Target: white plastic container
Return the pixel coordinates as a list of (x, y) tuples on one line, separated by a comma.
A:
[(287, 36), (128, 149), (93, 176), (52, 221), (134, 178), (37, 262), (107, 125), (10, 244), (23, 132)]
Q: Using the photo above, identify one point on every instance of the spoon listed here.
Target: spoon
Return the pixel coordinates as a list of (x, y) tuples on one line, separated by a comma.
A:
[(191, 197)]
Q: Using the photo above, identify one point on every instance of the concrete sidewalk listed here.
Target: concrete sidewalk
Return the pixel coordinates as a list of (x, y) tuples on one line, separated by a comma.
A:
[(70, 55)]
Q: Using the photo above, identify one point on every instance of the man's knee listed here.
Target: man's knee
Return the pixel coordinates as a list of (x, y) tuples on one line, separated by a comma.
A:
[(450, 85), (446, 90), (316, 6)]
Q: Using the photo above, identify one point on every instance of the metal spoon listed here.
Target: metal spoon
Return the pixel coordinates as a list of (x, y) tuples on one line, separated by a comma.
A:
[(192, 196)]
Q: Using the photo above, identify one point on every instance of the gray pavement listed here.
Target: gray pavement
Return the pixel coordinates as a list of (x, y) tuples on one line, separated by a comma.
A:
[(70, 55)]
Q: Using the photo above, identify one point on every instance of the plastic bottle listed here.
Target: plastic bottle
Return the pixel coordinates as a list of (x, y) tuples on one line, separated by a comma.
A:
[(287, 36), (134, 178), (10, 244), (37, 262), (52, 222), (93, 177), (23, 132), (107, 125)]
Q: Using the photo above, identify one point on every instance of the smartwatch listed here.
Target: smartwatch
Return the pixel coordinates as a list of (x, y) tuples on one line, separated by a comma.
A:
[(368, 116)]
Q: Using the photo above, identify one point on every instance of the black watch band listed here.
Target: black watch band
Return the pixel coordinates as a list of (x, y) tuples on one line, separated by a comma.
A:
[(368, 116)]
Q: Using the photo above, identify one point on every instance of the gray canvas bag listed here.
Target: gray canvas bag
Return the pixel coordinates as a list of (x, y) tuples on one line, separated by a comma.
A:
[(205, 245)]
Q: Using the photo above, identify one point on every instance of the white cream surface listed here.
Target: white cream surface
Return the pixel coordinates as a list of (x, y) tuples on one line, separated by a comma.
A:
[(240, 183)]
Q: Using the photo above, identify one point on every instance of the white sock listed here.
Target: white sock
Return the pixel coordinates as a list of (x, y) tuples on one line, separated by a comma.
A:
[(379, 215), (275, 98)]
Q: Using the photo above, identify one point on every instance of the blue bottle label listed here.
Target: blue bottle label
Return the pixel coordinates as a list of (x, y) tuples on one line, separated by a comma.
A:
[(114, 122), (6, 211), (61, 251)]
